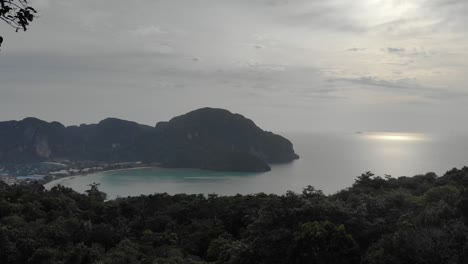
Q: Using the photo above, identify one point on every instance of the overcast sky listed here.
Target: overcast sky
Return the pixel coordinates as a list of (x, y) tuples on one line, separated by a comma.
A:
[(290, 65)]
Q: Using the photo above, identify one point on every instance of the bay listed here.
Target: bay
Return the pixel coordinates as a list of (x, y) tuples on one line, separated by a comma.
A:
[(329, 161)]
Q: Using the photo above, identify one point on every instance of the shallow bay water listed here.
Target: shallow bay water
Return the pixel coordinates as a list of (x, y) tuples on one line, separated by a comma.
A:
[(329, 161)]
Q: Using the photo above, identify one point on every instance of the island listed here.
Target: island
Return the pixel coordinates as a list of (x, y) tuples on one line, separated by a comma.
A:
[(206, 138)]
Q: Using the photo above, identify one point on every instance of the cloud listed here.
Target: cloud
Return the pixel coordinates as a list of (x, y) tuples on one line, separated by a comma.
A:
[(406, 85), (396, 50), (453, 11), (325, 16), (160, 48), (150, 30), (407, 56), (160, 58), (402, 63), (356, 49), (261, 67)]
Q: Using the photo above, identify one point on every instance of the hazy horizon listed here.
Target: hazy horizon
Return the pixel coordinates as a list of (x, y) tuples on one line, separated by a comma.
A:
[(393, 132), (290, 66)]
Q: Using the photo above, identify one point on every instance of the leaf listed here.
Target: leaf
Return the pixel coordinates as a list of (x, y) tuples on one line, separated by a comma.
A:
[(32, 9), (29, 16)]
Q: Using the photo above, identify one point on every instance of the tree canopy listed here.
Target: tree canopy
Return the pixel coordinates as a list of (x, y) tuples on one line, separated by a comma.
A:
[(379, 220), (16, 13)]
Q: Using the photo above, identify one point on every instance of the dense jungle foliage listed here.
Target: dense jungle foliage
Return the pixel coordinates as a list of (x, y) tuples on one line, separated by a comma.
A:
[(420, 219)]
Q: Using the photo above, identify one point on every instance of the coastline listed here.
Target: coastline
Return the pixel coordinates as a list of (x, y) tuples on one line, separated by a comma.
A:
[(53, 183)]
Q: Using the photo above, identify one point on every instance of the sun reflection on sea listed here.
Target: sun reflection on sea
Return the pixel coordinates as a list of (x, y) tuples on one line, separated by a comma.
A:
[(388, 136), (391, 148)]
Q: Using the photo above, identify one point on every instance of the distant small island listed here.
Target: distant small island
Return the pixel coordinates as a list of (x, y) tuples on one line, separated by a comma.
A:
[(207, 138)]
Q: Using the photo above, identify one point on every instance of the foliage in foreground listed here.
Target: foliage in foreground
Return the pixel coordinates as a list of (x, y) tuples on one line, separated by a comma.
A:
[(421, 219), (16, 13)]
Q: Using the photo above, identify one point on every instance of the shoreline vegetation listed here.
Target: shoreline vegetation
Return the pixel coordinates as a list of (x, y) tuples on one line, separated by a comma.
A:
[(46, 172), (419, 219)]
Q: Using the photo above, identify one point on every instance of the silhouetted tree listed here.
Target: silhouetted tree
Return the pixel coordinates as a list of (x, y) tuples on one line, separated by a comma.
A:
[(95, 193), (16, 13)]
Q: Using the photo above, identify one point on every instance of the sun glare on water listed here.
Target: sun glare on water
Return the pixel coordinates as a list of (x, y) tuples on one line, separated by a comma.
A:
[(396, 136)]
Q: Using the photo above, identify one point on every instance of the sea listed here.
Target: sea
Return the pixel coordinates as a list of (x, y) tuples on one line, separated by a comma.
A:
[(328, 161)]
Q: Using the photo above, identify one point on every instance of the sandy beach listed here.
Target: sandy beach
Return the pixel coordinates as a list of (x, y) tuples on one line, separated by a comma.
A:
[(65, 180)]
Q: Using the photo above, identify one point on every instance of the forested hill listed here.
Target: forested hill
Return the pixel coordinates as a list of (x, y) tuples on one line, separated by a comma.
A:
[(206, 138), (421, 219)]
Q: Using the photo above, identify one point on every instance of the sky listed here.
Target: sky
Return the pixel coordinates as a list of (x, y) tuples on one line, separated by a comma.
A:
[(289, 65)]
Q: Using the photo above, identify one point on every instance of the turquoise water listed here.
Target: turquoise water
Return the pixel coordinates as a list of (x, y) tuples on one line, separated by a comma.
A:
[(329, 162), (134, 182)]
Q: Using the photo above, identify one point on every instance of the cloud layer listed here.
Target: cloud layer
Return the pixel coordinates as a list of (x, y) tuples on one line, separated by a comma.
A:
[(290, 65)]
